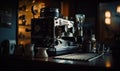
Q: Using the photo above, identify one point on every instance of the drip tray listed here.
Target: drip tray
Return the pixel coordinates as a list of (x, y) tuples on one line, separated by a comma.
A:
[(79, 56)]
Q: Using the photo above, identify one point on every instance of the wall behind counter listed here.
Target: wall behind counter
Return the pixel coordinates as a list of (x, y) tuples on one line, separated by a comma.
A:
[(8, 32)]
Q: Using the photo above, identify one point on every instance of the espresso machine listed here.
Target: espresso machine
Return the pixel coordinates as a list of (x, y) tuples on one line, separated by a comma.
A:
[(53, 32)]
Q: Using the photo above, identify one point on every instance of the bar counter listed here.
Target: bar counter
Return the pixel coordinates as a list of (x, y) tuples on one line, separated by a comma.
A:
[(103, 63)]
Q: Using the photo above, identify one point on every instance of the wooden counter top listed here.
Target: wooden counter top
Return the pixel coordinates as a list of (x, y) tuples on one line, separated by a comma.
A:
[(103, 63)]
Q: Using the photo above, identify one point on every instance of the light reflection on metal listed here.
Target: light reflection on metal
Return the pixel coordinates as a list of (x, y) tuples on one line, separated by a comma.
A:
[(65, 61), (71, 62), (62, 61)]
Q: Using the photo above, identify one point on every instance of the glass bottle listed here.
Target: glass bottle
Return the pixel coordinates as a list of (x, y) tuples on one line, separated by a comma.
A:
[(93, 43)]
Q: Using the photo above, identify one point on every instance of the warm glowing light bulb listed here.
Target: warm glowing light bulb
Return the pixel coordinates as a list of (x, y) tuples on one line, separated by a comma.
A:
[(108, 64), (33, 1), (108, 14), (107, 21), (21, 42), (118, 9)]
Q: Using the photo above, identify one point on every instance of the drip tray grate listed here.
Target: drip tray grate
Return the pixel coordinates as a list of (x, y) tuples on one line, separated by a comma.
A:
[(79, 56)]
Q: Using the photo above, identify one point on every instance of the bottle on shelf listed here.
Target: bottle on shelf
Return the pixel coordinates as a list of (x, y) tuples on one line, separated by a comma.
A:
[(93, 43)]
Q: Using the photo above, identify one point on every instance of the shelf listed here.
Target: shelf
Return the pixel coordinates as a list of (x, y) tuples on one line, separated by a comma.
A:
[(24, 25), (24, 39)]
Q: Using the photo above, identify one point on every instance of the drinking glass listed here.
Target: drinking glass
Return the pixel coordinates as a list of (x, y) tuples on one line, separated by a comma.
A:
[(80, 18)]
